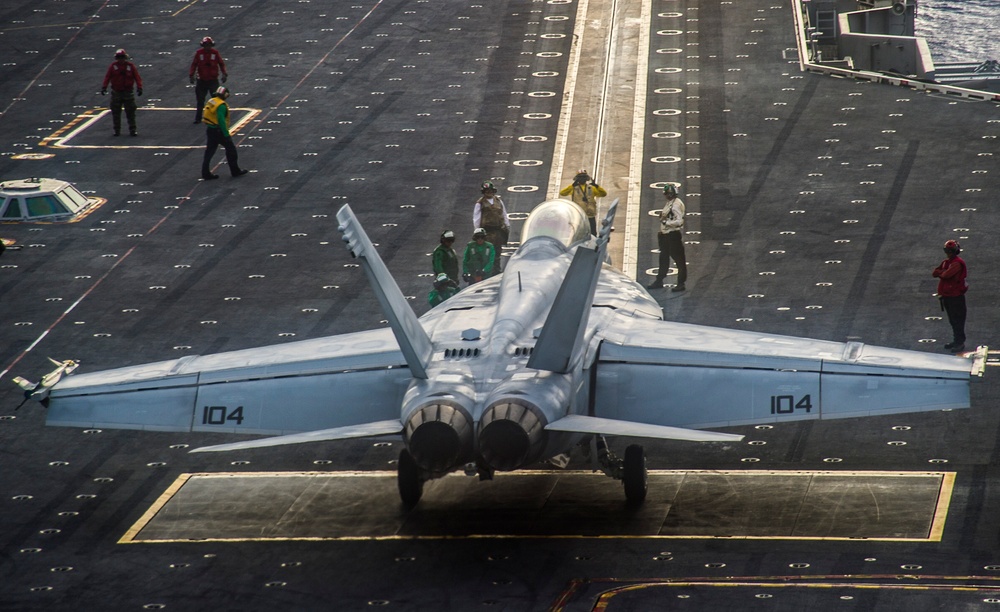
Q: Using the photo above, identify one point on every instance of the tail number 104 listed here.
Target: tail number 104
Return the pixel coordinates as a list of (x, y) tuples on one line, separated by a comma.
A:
[(218, 415), (786, 404)]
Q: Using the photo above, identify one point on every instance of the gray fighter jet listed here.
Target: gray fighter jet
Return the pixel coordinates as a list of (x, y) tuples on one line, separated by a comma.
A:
[(561, 349)]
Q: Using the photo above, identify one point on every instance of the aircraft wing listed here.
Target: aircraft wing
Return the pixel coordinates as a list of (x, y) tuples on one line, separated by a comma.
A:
[(326, 383), (691, 376)]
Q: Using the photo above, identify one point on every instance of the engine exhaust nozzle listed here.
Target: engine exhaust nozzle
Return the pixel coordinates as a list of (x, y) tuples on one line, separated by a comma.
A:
[(439, 436), (511, 434)]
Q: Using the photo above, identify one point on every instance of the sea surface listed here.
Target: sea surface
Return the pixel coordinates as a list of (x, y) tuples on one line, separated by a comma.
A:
[(960, 30)]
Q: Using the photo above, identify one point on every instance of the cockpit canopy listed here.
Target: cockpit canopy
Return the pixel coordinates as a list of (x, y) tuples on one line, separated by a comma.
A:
[(559, 219)]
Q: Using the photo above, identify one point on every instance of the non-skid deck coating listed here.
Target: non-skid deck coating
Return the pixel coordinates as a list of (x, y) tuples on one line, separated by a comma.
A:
[(817, 207)]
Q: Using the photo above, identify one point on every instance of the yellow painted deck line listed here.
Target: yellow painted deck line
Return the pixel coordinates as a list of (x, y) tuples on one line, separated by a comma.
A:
[(85, 120), (847, 581), (943, 504), (158, 505)]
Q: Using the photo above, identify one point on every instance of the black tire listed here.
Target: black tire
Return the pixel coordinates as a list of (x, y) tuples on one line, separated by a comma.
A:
[(635, 475), (411, 484)]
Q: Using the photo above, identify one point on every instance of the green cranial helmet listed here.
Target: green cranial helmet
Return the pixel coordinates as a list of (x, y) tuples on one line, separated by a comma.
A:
[(669, 190), (488, 186)]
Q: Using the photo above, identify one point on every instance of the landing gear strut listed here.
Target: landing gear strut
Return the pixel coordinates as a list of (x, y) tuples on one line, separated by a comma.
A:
[(409, 479), (631, 470)]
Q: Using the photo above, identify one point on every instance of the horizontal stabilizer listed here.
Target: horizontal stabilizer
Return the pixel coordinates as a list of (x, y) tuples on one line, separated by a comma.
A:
[(25, 384), (40, 390), (611, 427), (380, 428)]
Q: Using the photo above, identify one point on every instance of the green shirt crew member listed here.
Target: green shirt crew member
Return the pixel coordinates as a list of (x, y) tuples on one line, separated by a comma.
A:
[(216, 117), (445, 259), (444, 288), (479, 258)]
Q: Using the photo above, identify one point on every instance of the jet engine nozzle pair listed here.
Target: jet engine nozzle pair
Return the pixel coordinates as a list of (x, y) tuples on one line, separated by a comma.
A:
[(439, 435)]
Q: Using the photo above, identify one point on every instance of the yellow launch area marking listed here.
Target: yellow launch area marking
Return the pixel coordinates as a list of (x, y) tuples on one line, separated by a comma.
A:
[(613, 594), (682, 504), (77, 127)]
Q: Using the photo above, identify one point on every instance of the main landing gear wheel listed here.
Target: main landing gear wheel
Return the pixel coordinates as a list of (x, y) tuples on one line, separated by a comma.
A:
[(634, 475), (411, 484)]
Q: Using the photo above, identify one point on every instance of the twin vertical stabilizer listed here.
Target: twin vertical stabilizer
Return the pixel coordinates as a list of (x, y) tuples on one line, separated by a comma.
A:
[(561, 338), (413, 340)]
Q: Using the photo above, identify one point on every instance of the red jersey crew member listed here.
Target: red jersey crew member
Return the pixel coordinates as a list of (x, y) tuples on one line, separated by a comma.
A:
[(951, 290), (206, 65), (122, 75), (216, 117)]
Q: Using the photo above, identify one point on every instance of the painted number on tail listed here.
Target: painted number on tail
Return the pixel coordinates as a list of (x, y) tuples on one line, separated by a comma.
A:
[(786, 404), (216, 415)]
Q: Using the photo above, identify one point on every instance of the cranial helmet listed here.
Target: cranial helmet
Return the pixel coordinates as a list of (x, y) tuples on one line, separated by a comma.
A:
[(121, 54), (669, 189), (952, 246), (207, 41), (447, 235), (488, 186), (479, 232), (222, 92), (441, 278)]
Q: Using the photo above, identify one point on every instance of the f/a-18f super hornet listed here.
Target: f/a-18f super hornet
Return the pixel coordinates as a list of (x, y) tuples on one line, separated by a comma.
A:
[(560, 349)]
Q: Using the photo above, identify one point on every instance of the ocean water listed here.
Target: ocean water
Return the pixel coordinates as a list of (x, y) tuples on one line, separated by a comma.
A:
[(960, 30)]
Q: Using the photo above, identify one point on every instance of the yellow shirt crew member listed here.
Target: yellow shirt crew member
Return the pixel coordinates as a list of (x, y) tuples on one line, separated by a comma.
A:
[(584, 191)]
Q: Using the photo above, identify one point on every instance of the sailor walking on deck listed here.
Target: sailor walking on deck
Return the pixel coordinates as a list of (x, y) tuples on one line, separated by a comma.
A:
[(670, 240), (216, 117)]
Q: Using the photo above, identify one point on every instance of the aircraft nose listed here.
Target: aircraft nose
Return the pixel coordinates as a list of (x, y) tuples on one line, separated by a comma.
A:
[(511, 434), (439, 436)]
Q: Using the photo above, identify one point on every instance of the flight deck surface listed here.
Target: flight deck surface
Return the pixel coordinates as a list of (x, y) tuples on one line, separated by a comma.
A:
[(817, 207)]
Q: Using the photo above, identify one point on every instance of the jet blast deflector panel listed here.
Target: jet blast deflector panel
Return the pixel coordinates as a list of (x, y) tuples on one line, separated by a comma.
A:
[(904, 506)]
